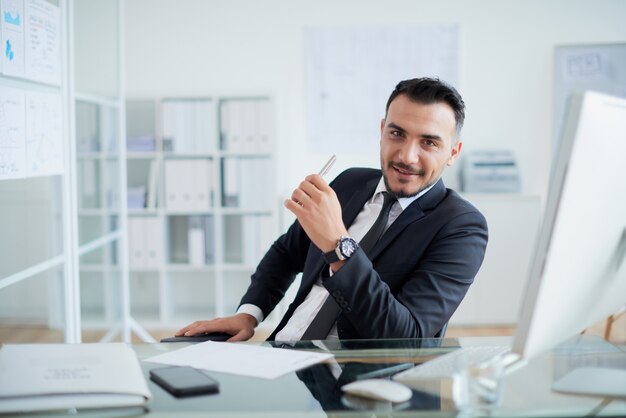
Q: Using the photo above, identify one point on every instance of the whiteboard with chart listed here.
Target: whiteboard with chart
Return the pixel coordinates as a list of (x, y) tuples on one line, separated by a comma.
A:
[(31, 114)]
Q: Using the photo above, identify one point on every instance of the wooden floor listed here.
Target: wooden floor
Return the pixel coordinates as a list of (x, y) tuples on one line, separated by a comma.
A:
[(34, 334)]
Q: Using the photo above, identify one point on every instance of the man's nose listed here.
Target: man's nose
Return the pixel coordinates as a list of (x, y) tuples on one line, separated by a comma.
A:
[(410, 152)]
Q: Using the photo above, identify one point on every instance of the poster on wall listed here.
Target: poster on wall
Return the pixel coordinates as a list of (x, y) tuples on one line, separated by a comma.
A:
[(31, 130), (43, 42), (44, 134), (12, 133), (12, 37), (600, 67), (350, 72)]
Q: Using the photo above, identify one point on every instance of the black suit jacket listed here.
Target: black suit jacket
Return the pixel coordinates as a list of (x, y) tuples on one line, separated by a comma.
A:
[(414, 280)]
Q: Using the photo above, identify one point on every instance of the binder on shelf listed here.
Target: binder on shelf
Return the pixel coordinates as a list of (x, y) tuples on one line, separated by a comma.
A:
[(254, 176), (202, 190), (209, 240), (135, 243), (187, 126), (153, 242), (196, 241), (224, 124), (178, 241), (257, 236), (204, 133), (231, 182), (145, 242), (235, 127), (136, 197), (153, 176), (179, 185), (233, 239), (248, 120), (264, 124), (144, 143)]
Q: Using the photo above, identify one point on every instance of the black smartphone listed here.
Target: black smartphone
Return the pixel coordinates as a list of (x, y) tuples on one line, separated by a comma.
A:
[(184, 381)]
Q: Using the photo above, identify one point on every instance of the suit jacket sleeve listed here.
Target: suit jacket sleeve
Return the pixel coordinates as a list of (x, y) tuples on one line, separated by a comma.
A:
[(414, 303)]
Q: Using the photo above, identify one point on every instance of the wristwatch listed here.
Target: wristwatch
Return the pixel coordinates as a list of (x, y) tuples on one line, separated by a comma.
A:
[(346, 246)]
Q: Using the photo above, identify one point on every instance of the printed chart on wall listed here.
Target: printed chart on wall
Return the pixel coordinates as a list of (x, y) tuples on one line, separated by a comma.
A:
[(350, 72), (586, 67), (12, 28), (31, 120), (31, 40), (30, 134)]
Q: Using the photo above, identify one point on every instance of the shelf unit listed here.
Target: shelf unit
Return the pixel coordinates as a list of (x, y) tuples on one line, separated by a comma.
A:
[(202, 207)]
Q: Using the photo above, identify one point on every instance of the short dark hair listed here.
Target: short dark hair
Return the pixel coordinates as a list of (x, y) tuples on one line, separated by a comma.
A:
[(428, 91)]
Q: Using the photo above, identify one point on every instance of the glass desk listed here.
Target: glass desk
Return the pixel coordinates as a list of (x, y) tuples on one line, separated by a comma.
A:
[(315, 392)]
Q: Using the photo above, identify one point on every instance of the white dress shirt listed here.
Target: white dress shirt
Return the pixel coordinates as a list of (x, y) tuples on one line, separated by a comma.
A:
[(308, 309)]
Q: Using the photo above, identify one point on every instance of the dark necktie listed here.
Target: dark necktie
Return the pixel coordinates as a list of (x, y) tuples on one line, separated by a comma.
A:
[(326, 317)]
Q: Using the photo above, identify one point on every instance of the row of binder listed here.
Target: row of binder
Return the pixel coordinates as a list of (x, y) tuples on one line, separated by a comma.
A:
[(246, 126), (145, 242), (191, 240), (245, 183), (188, 126), (188, 184)]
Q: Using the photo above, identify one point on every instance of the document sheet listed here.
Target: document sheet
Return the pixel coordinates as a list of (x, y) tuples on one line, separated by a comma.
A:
[(241, 359), (39, 377)]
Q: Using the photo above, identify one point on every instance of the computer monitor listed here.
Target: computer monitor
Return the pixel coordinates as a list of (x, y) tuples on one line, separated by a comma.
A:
[(578, 273)]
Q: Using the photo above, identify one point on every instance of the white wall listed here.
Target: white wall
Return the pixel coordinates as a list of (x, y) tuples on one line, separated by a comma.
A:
[(196, 47)]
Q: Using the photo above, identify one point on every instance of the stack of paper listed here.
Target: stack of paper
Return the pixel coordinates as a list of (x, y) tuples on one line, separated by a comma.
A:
[(42, 377)]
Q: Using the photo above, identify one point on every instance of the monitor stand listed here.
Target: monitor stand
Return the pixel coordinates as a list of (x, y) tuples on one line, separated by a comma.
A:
[(593, 381)]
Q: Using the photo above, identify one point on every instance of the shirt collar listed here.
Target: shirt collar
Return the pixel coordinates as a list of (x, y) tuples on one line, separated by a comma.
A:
[(403, 201)]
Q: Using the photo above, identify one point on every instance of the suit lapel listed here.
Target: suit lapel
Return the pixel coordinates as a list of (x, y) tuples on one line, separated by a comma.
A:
[(411, 214)]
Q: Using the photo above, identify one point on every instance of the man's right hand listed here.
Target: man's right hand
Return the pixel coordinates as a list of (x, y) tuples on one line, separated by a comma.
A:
[(240, 326)]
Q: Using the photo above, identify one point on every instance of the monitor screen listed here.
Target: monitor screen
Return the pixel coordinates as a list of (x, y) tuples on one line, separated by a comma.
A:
[(578, 273)]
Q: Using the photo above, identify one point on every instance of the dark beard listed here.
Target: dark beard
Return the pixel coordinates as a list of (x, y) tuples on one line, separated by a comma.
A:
[(401, 194)]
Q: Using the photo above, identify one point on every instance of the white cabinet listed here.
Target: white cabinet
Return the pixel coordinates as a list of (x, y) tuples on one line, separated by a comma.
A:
[(495, 296), (202, 204)]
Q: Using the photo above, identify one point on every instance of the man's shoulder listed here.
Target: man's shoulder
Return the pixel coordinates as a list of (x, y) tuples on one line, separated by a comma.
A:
[(459, 205)]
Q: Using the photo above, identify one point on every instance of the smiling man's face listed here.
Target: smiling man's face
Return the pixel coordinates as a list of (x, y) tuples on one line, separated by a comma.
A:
[(417, 142)]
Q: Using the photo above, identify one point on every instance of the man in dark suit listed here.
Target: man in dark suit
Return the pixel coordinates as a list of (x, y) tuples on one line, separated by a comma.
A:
[(409, 279)]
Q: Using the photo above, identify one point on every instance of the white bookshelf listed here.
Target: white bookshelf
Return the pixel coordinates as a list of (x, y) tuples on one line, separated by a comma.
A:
[(206, 168)]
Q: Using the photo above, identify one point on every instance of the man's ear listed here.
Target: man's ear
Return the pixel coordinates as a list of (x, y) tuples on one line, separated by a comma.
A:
[(454, 154)]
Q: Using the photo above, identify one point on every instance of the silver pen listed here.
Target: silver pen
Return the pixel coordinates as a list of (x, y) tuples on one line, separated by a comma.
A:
[(328, 165)]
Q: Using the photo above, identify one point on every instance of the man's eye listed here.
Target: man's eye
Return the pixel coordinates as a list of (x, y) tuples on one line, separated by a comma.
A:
[(396, 133)]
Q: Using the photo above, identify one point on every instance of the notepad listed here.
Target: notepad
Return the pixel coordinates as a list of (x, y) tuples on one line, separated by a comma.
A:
[(41, 377)]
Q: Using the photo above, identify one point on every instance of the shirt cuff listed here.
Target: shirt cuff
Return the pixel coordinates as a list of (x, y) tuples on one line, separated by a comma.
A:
[(253, 310)]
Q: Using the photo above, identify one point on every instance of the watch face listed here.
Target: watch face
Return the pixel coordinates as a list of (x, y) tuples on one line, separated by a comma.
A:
[(347, 247)]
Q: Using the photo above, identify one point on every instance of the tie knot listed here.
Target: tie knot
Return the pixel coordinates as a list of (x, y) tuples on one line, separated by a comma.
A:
[(388, 200)]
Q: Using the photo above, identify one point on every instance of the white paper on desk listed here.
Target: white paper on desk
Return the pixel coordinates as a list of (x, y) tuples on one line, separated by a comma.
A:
[(241, 359)]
